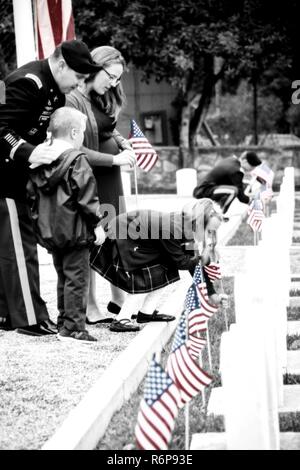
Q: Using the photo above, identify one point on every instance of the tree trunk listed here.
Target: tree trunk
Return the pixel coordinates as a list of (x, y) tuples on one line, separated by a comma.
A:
[(184, 157), (255, 115), (205, 99)]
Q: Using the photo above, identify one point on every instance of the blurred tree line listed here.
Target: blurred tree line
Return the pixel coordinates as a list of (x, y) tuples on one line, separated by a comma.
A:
[(249, 46), (255, 43)]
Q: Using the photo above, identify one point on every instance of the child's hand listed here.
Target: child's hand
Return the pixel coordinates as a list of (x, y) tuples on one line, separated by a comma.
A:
[(100, 235), (219, 299)]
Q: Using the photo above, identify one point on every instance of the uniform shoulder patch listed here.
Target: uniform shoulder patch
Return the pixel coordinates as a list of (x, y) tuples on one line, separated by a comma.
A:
[(36, 79)]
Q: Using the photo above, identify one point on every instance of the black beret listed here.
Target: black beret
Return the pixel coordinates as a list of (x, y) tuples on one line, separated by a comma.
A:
[(78, 57), (252, 158)]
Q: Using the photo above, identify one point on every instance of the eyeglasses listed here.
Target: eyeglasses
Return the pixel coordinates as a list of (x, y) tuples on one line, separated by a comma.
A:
[(112, 78)]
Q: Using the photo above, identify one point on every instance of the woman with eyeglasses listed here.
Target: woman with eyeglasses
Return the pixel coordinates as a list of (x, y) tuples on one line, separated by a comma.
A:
[(101, 99)]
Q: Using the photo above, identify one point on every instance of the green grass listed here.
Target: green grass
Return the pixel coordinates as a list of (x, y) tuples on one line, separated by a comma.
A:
[(293, 313), (243, 236), (294, 293), (120, 432), (289, 422), (291, 379), (290, 339)]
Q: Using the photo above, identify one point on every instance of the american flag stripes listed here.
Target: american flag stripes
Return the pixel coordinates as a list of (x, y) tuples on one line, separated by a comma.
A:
[(146, 156), (197, 321), (256, 215), (189, 377), (158, 410), (54, 24), (194, 343), (213, 271), (207, 308), (266, 193), (264, 172)]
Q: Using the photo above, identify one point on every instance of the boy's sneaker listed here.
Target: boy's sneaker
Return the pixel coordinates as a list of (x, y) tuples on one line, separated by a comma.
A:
[(80, 336)]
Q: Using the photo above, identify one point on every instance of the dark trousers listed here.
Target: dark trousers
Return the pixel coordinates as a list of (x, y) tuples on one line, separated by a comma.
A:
[(20, 300), (72, 267)]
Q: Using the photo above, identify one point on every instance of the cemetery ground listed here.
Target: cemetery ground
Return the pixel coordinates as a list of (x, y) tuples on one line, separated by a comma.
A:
[(42, 380)]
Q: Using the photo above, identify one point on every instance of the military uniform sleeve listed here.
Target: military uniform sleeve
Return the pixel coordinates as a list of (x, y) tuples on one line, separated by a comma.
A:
[(237, 181), (84, 183), (21, 96)]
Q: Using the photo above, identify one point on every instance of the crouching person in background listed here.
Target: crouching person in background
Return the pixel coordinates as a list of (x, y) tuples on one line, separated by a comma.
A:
[(66, 212)]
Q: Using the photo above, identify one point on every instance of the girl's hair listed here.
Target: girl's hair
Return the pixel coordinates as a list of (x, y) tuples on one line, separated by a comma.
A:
[(114, 99), (200, 211)]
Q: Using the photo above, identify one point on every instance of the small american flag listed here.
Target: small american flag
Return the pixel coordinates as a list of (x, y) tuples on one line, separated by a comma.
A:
[(266, 193), (193, 343), (189, 377), (146, 156), (197, 321), (264, 172), (158, 410), (208, 309), (213, 271), (256, 215)]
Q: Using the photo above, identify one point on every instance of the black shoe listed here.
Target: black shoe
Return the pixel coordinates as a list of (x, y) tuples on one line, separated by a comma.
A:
[(50, 324), (112, 307), (143, 318), (123, 325), (42, 329), (134, 316), (102, 320), (5, 327)]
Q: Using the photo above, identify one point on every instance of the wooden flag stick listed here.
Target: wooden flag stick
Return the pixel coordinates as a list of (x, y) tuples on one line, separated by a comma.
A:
[(187, 426), (208, 348), (136, 188), (203, 393)]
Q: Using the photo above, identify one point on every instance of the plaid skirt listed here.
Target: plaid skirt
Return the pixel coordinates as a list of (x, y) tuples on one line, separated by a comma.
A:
[(139, 281)]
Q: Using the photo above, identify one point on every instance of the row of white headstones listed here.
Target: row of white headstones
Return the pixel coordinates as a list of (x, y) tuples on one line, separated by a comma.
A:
[(253, 354)]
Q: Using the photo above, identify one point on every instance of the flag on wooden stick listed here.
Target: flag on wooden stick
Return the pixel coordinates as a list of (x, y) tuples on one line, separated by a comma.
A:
[(256, 215), (213, 271), (158, 410), (146, 156), (54, 24), (189, 377)]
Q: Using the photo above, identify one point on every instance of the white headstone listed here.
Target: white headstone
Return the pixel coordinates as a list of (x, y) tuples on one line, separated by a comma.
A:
[(186, 181)]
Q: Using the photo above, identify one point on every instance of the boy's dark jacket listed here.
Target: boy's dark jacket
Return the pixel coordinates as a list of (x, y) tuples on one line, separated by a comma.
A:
[(64, 202)]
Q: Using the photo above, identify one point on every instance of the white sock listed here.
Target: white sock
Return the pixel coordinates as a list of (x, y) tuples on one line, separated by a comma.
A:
[(151, 301), (130, 306)]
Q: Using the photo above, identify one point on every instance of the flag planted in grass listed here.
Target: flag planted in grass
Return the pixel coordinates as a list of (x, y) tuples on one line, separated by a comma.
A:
[(208, 309), (264, 174), (213, 271), (189, 377), (197, 320), (256, 215), (158, 410), (146, 156)]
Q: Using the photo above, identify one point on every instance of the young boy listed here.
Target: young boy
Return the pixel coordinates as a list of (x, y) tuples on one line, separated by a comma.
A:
[(66, 210)]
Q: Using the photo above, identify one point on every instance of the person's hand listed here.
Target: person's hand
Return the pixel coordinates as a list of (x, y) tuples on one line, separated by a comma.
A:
[(43, 154), (127, 157), (219, 299), (100, 235), (126, 145)]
